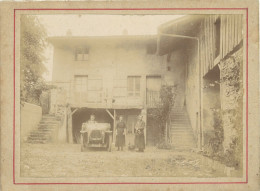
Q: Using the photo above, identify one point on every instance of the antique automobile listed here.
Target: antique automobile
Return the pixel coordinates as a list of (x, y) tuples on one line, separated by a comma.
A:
[(96, 135)]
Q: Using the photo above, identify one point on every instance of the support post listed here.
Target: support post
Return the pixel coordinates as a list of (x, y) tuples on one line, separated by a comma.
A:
[(114, 127), (144, 114), (70, 136)]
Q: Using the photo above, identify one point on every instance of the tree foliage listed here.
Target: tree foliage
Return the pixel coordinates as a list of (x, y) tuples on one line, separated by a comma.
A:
[(162, 112), (32, 59)]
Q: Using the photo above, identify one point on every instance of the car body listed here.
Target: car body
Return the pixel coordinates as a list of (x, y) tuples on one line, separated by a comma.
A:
[(96, 135)]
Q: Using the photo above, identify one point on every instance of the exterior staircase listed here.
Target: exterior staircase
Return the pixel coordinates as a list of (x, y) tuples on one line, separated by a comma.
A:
[(181, 133), (46, 132)]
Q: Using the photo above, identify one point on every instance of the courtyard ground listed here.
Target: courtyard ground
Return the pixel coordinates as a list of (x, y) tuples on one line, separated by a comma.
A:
[(66, 160)]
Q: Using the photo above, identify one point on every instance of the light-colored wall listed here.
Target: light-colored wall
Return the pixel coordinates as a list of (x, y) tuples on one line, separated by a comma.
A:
[(192, 86), (111, 62), (30, 117)]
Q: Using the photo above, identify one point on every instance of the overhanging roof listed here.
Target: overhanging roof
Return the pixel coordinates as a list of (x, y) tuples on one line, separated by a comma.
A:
[(184, 26), (73, 41)]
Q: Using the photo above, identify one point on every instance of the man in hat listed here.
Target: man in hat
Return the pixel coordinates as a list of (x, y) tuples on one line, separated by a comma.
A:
[(92, 119), (84, 128), (139, 134)]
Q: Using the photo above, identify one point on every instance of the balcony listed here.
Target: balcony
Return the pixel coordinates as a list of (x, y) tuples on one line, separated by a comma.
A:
[(152, 99)]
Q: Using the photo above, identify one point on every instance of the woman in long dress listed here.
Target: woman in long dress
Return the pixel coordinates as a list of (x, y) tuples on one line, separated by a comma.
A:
[(120, 134), (139, 134)]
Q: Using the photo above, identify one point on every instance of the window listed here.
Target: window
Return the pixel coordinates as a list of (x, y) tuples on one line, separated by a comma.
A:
[(133, 85), (120, 87), (217, 37), (95, 86), (81, 54), (81, 87)]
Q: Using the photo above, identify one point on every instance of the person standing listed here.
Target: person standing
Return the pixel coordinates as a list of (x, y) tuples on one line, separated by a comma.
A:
[(120, 133), (139, 134)]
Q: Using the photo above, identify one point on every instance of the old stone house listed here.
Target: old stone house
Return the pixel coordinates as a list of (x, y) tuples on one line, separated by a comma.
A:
[(122, 75), (107, 76)]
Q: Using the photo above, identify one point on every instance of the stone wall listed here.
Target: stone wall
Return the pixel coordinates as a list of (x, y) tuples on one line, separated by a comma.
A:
[(31, 115), (231, 89), (211, 103)]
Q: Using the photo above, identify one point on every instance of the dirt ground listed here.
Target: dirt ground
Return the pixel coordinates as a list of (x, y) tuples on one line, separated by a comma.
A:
[(43, 160)]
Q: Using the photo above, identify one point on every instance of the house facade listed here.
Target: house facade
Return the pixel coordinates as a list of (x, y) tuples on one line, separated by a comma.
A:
[(122, 75), (107, 76)]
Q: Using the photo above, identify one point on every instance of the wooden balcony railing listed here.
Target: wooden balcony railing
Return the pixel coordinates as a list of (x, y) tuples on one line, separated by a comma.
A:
[(153, 98)]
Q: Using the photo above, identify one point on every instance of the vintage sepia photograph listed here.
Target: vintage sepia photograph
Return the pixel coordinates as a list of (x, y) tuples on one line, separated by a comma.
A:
[(110, 95)]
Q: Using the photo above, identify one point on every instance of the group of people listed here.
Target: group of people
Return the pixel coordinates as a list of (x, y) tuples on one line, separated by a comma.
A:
[(138, 130), (139, 142)]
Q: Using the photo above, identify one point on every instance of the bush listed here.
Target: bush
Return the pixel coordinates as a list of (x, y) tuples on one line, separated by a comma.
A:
[(162, 112)]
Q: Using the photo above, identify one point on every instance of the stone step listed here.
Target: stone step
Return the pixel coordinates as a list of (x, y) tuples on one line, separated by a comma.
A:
[(177, 119), (37, 141), (39, 138), (182, 141), (40, 135), (178, 112), (174, 120), (51, 126), (48, 125), (45, 130), (176, 123), (49, 122), (49, 119), (50, 116), (183, 145), (180, 117), (182, 148), (179, 127), (181, 133)]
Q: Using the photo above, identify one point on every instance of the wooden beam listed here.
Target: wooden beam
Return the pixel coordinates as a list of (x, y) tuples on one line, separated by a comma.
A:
[(69, 126), (113, 117), (221, 36), (224, 35), (73, 112), (236, 29)]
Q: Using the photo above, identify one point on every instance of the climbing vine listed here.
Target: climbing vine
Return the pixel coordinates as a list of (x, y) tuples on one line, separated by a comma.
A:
[(227, 143), (162, 112)]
